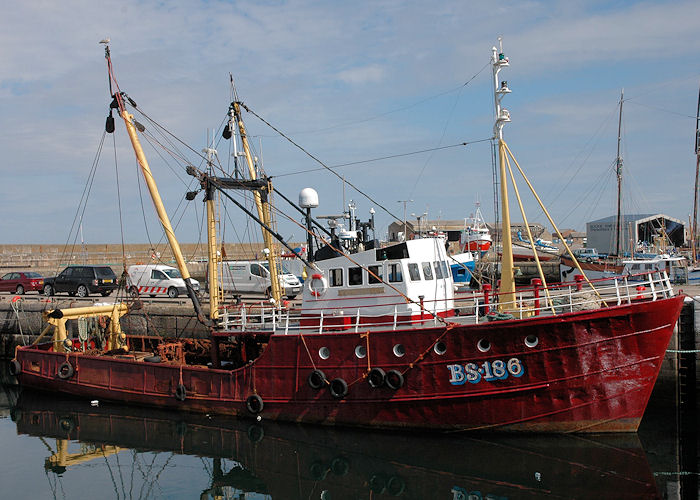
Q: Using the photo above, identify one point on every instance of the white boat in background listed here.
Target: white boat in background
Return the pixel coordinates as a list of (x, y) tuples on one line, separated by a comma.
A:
[(476, 236), (636, 269)]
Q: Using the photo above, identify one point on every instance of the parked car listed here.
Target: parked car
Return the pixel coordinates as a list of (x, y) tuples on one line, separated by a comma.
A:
[(22, 281), (587, 254), (82, 281), (157, 279)]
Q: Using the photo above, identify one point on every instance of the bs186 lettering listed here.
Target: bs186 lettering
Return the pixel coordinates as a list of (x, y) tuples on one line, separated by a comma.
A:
[(487, 370)]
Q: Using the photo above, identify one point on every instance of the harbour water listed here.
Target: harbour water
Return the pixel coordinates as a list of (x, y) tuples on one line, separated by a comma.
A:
[(55, 447)]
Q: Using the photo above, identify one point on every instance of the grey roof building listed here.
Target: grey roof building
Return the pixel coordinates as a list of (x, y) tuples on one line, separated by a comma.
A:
[(645, 229)]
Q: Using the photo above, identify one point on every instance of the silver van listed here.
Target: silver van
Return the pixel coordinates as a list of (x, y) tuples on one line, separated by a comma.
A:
[(157, 279), (247, 276)]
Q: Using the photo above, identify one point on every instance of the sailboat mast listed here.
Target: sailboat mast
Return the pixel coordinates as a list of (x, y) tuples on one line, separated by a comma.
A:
[(694, 237), (507, 289), (618, 229)]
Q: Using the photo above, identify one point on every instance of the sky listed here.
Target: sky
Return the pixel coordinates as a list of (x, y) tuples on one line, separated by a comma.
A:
[(349, 82)]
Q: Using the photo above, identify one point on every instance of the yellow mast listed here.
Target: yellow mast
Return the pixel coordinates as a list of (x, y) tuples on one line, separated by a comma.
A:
[(153, 190), (507, 288), (263, 209)]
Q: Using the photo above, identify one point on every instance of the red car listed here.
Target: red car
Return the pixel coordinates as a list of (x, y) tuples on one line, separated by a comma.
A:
[(22, 281)]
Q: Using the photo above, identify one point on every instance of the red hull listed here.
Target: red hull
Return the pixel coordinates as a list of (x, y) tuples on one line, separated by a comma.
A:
[(591, 371), (481, 246)]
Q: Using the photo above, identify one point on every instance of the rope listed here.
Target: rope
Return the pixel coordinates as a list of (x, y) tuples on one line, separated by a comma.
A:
[(684, 351), (307, 350), (319, 162)]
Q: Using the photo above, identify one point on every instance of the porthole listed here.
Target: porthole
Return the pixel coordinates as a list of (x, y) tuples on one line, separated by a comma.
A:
[(399, 350), (531, 340), (360, 351), (483, 345), (324, 352), (440, 348)]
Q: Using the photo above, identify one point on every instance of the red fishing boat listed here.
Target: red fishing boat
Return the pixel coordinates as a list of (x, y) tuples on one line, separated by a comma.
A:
[(380, 341)]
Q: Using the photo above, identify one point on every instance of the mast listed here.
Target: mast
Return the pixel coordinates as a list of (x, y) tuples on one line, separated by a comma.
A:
[(212, 247), (618, 228), (262, 206), (130, 123), (694, 237), (507, 289)]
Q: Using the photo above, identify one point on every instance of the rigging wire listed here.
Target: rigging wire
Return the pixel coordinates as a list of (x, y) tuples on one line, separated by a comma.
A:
[(82, 205), (380, 158), (658, 108), (442, 136), (119, 202), (396, 110)]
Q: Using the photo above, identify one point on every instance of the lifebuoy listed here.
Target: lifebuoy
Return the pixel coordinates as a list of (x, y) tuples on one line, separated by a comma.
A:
[(317, 292), (254, 404), (65, 371), (14, 368), (180, 392), (394, 379), (317, 379), (338, 388), (376, 377)]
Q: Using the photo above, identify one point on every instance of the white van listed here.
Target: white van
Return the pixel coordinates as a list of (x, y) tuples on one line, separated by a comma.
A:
[(157, 279), (246, 276)]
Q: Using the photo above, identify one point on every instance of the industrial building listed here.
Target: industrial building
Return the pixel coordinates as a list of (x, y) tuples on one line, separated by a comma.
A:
[(654, 232)]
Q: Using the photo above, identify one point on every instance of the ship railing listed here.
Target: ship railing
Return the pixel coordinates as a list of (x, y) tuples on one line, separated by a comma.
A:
[(575, 295), (469, 307)]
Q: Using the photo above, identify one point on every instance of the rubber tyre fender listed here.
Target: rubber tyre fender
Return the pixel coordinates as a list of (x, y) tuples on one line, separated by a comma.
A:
[(256, 433), (15, 368), (395, 486), (254, 404), (317, 379), (65, 371), (376, 378), (394, 379), (180, 392), (338, 388)]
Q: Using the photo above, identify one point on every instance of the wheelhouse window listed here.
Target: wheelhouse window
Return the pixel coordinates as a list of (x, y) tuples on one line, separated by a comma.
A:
[(427, 271), (336, 277), (413, 271), (395, 274), (438, 270), (445, 269), (375, 274), (354, 276)]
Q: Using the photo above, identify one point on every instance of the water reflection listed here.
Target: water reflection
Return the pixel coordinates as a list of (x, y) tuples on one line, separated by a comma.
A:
[(139, 453)]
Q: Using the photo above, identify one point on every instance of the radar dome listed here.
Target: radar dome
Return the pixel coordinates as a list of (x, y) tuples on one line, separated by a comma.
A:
[(308, 198)]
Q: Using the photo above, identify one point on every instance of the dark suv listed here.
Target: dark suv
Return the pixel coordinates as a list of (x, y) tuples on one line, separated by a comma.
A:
[(82, 281)]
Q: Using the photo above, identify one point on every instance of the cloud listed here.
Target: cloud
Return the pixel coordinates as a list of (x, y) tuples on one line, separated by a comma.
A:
[(372, 73)]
